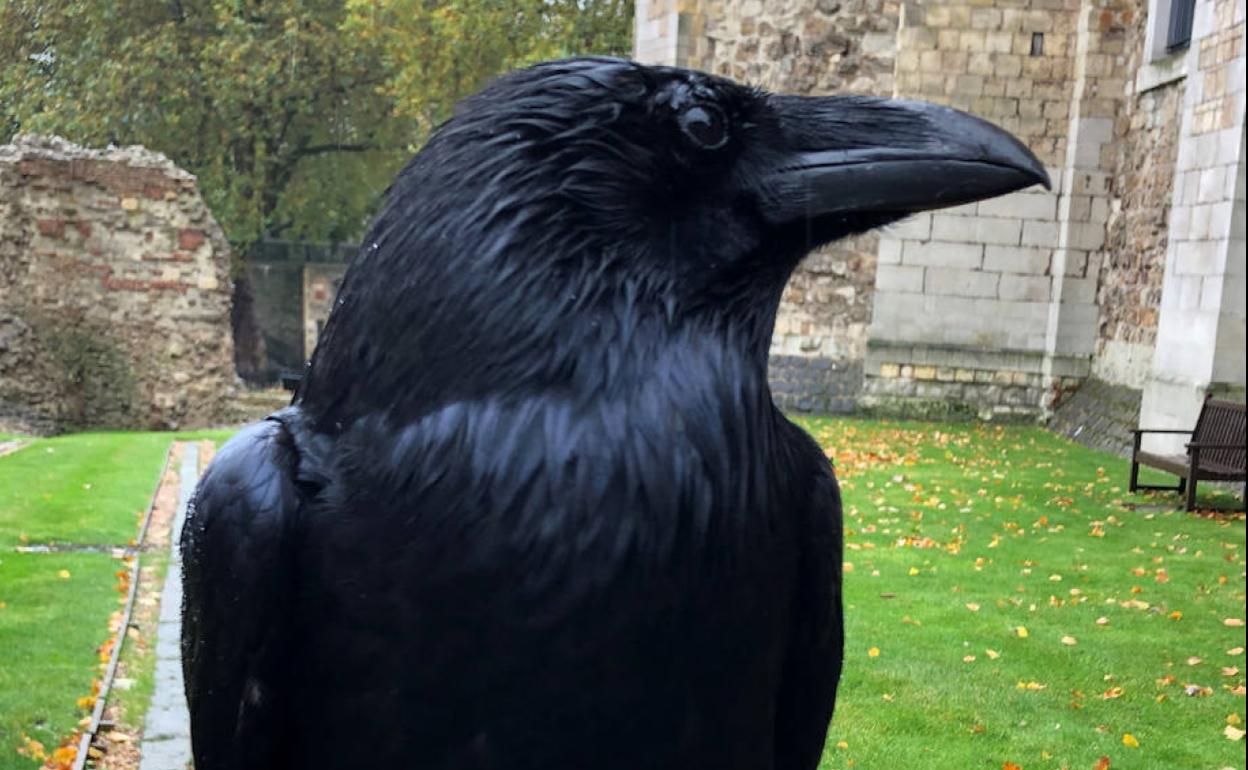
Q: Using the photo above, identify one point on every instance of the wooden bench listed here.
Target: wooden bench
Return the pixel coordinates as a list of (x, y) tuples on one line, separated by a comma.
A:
[(1215, 453)]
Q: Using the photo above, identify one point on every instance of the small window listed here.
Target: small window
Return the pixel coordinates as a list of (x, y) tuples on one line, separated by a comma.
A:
[(1037, 44), (1179, 35)]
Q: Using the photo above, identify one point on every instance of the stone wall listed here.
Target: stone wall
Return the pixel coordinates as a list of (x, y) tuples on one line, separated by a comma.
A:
[(997, 295), (1101, 415), (1002, 308), (1146, 135), (114, 292), (321, 281), (1201, 327)]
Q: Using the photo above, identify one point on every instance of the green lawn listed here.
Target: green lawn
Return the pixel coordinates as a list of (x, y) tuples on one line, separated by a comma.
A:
[(958, 537), (85, 489)]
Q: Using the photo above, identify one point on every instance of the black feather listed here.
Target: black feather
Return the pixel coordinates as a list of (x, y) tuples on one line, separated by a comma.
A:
[(533, 506)]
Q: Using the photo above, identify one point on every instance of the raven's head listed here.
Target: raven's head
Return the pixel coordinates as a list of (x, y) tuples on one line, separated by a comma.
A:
[(570, 194)]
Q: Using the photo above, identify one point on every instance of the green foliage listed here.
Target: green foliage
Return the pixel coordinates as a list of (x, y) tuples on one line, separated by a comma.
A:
[(293, 114)]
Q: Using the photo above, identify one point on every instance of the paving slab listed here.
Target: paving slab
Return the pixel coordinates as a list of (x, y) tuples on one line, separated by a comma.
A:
[(167, 732)]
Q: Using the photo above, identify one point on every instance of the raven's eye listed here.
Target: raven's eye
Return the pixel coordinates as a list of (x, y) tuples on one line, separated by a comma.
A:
[(705, 126)]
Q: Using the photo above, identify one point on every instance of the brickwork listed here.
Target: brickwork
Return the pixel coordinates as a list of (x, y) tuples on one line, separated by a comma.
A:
[(114, 292)]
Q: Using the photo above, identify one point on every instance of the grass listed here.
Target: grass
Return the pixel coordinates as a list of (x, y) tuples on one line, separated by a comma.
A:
[(960, 536), (84, 489), (55, 616), (957, 537)]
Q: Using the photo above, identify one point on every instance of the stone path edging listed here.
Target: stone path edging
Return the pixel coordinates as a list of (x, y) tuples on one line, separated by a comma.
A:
[(167, 731)]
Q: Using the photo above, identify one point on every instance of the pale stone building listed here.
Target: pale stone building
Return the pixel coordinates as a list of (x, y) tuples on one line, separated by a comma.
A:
[(1125, 284)]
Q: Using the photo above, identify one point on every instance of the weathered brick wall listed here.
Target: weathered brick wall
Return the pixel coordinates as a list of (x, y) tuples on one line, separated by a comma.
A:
[(1129, 294), (114, 292)]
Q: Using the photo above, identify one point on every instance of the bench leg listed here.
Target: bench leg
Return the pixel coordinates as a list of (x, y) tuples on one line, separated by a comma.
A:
[(1135, 476), (1191, 496)]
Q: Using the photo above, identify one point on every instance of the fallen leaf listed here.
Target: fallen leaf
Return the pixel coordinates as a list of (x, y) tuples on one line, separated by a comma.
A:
[(63, 574), (1069, 641), (1102, 621), (1233, 622), (1102, 763), (874, 652), (1193, 661), (1233, 733), (992, 654), (1021, 632), (1130, 741), (972, 606)]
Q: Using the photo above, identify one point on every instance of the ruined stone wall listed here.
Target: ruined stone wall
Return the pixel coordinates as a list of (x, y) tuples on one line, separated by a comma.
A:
[(1129, 292), (114, 292)]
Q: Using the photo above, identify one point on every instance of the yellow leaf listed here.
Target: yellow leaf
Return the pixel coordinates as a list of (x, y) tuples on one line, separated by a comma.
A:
[(63, 574), (1069, 641), (874, 652), (1021, 632), (992, 654), (914, 571), (1233, 733), (1233, 719), (1130, 741), (972, 606), (842, 745)]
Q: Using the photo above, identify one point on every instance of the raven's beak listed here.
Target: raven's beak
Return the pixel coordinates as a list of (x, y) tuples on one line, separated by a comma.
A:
[(853, 155)]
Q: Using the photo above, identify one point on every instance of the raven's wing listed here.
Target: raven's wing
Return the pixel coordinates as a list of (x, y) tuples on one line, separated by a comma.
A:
[(237, 585), (812, 664)]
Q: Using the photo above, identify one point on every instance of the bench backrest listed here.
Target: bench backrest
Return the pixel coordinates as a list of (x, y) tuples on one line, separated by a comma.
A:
[(1221, 422)]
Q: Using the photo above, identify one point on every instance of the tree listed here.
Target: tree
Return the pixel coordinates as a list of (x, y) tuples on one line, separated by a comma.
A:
[(294, 114)]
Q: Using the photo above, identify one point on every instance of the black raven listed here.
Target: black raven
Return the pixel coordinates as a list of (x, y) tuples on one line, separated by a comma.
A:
[(532, 506)]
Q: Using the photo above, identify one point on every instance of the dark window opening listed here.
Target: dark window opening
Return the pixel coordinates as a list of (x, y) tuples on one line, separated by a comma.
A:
[(1037, 44), (1179, 34)]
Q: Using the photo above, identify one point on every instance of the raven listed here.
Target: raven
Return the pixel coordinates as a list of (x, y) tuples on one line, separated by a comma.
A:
[(532, 505)]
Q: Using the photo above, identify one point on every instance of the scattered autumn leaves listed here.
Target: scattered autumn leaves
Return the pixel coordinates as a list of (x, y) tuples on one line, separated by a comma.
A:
[(1010, 529)]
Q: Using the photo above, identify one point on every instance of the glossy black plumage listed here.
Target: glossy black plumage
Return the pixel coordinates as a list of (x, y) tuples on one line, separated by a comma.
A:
[(533, 506)]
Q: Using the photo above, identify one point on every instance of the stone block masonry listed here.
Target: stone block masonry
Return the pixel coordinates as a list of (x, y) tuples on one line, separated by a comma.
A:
[(1130, 269), (114, 292), (1200, 335)]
